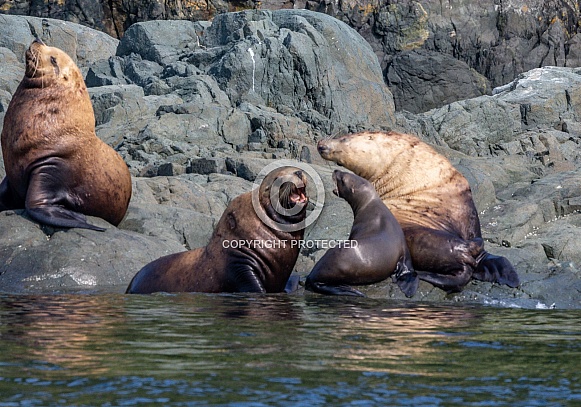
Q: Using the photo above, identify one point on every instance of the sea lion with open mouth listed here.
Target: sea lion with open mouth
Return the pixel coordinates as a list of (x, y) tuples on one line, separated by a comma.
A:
[(244, 254)]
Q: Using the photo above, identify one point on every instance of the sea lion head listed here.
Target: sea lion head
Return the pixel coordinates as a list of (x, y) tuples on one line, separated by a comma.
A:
[(282, 194), (352, 187), (46, 65), (366, 153)]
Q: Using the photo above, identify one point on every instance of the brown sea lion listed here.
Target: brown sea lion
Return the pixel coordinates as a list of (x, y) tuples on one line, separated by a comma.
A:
[(380, 250), (432, 202), (56, 166), (243, 254)]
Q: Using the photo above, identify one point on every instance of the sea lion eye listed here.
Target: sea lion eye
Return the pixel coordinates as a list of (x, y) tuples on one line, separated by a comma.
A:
[(53, 60)]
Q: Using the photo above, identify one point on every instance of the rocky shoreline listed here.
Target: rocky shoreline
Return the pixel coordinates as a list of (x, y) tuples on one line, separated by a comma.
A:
[(197, 109)]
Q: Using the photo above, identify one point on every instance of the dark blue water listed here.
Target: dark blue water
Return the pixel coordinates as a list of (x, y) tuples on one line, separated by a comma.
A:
[(243, 350)]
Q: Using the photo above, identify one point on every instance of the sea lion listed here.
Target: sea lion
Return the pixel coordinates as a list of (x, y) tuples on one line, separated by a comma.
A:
[(380, 252), (432, 202), (56, 166), (243, 254)]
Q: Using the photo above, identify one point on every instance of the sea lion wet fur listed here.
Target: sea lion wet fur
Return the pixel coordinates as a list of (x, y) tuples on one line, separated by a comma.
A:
[(243, 254), (377, 247)]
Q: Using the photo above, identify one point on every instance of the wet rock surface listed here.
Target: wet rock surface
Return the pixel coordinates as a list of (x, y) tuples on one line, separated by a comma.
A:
[(198, 119)]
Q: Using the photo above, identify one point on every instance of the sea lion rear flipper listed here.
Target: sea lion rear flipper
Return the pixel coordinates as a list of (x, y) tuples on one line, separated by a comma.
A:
[(407, 280), (341, 289), (60, 217), (8, 198), (292, 284), (496, 269), (451, 283)]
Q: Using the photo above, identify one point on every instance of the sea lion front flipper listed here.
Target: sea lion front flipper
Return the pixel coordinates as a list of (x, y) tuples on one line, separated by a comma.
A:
[(341, 289), (59, 216), (496, 269), (46, 200)]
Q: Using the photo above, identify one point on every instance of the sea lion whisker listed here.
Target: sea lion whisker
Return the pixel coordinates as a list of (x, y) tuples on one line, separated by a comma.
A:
[(284, 194), (36, 63)]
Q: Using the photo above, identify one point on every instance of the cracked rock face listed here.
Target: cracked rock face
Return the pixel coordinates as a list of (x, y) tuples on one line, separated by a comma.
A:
[(432, 52), (215, 87)]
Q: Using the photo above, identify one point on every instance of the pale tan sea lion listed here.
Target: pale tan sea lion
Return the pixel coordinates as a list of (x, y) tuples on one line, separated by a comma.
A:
[(432, 202), (56, 166)]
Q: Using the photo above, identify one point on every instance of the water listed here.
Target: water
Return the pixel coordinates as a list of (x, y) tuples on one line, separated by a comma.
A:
[(282, 350)]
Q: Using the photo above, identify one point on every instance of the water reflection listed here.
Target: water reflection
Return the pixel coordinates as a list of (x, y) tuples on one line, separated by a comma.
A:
[(59, 331), (398, 339), (257, 348)]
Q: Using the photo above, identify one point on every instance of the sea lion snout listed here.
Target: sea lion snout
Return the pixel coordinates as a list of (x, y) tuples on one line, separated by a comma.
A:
[(323, 148)]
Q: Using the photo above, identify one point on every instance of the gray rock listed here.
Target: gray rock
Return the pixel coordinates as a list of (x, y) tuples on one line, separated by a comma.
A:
[(16, 35), (217, 111), (101, 15), (422, 80), (106, 72), (246, 168), (499, 40), (160, 41), (547, 96), (301, 61), (180, 208), (82, 44), (207, 166), (33, 261), (519, 119), (11, 73)]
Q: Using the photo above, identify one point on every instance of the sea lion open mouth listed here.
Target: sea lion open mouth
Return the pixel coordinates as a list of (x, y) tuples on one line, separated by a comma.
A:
[(298, 195), (293, 190), (291, 195)]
